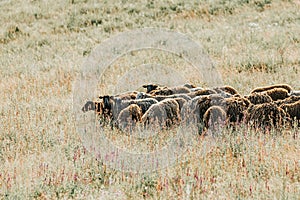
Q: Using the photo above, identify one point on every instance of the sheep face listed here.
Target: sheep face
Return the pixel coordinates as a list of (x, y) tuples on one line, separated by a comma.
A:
[(89, 105), (108, 102), (150, 87), (97, 106)]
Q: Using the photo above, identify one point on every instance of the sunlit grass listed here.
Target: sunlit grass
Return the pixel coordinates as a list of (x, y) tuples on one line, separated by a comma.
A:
[(44, 43)]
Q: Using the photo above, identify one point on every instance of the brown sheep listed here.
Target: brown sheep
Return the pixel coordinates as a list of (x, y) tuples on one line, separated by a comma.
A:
[(277, 93), (163, 114), (170, 91), (129, 117), (214, 118), (193, 110), (266, 88), (293, 109), (107, 105), (155, 89), (127, 95), (113, 105), (227, 89), (201, 93), (291, 99), (143, 95), (259, 98), (265, 115), (235, 108), (181, 102)]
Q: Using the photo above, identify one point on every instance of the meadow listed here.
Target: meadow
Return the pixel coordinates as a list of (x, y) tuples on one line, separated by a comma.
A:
[(43, 45)]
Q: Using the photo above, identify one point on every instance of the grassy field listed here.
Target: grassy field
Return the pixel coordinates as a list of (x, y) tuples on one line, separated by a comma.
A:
[(42, 47)]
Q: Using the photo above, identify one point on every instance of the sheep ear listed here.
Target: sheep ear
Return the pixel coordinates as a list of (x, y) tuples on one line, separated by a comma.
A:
[(100, 97), (144, 86)]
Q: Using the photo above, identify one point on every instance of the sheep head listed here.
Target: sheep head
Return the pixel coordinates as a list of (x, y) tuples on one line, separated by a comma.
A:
[(150, 87)]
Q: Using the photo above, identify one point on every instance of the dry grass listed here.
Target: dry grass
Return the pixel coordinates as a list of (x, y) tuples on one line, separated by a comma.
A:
[(42, 46)]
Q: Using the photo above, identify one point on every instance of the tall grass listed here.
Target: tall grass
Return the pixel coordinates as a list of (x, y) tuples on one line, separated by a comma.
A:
[(42, 46)]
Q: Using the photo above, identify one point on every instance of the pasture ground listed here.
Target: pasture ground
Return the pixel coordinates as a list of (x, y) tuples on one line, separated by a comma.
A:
[(43, 44)]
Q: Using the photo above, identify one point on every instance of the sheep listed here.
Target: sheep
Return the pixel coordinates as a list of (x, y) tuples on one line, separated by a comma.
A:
[(293, 109), (193, 110), (196, 89), (127, 95), (143, 95), (201, 92), (129, 117), (164, 114), (114, 105), (235, 108), (295, 93), (93, 105), (181, 101), (227, 89), (291, 99), (103, 115), (265, 115), (258, 98), (214, 118), (277, 93), (150, 87), (266, 88), (189, 85), (163, 91), (107, 105), (227, 95), (144, 104), (161, 97), (170, 91), (155, 90)]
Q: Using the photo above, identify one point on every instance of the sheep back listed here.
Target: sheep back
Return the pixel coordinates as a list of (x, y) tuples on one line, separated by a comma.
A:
[(213, 117), (293, 109), (235, 108), (226, 88), (277, 93), (164, 113), (266, 88), (265, 115), (129, 116), (259, 98)]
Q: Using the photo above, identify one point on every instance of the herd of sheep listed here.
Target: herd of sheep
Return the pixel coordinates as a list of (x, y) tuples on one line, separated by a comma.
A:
[(165, 107)]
